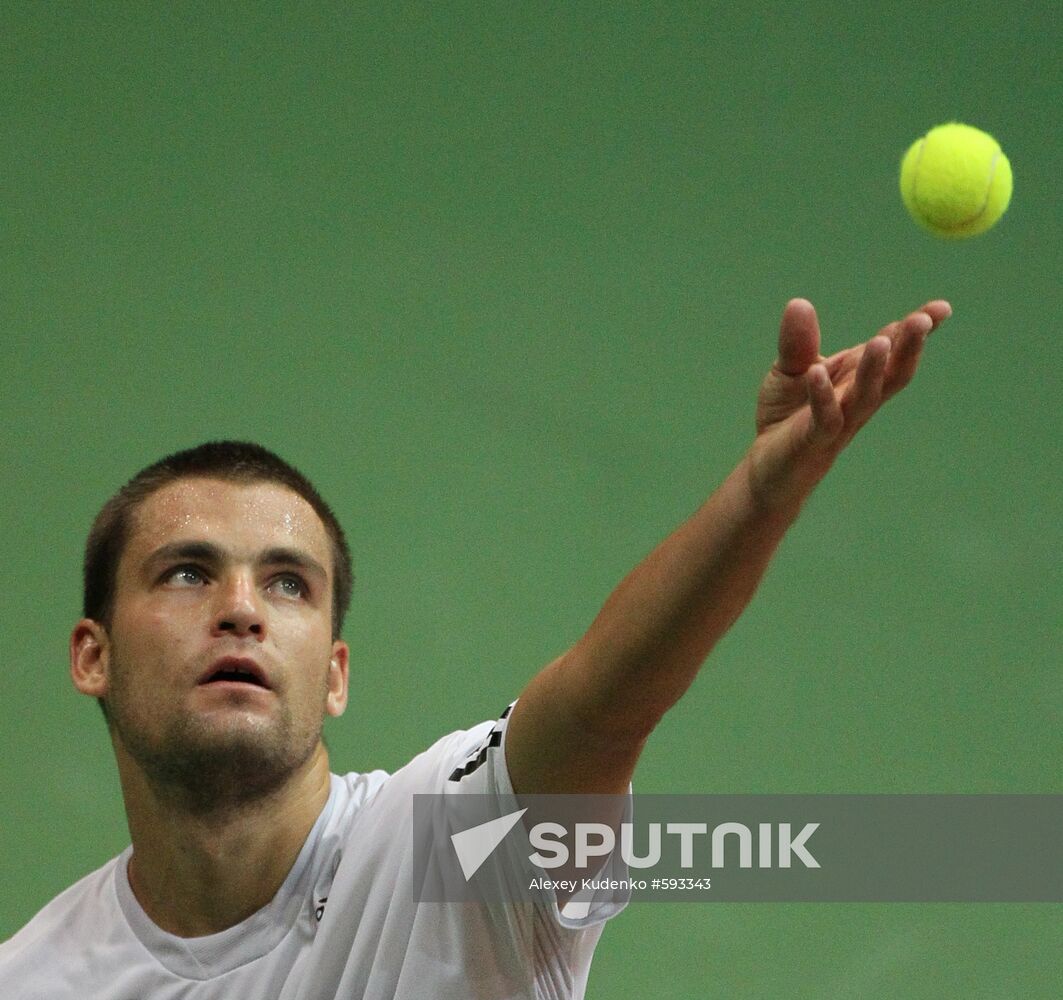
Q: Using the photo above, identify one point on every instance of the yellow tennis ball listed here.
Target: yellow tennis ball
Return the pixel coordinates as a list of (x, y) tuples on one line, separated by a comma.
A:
[(956, 181)]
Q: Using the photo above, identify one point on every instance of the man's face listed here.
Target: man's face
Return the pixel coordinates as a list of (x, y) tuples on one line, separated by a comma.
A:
[(176, 613)]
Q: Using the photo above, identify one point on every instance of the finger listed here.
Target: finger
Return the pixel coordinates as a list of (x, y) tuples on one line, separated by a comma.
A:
[(798, 338), (938, 310), (843, 362), (864, 396), (907, 349), (827, 418)]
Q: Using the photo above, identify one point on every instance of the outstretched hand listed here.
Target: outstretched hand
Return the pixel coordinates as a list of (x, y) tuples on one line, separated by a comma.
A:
[(810, 407)]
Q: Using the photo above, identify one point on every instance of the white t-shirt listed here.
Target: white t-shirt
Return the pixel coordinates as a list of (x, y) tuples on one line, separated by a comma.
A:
[(344, 924)]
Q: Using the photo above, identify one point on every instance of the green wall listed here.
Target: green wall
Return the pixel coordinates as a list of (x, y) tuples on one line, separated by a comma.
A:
[(503, 280)]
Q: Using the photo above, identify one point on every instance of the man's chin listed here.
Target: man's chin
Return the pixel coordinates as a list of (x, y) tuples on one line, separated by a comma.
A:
[(209, 768)]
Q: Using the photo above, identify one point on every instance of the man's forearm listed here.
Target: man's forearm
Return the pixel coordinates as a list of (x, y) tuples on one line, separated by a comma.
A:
[(657, 627)]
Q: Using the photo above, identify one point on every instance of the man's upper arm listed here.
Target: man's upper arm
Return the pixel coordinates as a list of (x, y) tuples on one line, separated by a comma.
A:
[(559, 741)]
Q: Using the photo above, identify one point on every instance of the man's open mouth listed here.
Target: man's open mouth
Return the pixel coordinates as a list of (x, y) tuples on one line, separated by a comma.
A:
[(236, 670), (234, 675)]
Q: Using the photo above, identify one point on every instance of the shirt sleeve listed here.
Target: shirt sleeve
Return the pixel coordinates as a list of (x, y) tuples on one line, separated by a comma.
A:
[(420, 924), (484, 771)]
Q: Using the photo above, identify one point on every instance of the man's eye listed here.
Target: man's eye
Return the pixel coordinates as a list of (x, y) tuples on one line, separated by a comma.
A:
[(184, 571), (298, 588)]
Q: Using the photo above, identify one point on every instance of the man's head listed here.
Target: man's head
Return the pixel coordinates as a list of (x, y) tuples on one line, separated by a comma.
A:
[(221, 550)]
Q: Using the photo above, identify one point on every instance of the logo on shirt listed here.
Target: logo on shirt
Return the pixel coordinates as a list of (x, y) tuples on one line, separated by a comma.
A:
[(320, 911)]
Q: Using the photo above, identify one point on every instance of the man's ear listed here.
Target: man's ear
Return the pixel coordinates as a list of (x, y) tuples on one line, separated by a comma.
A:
[(90, 657), (336, 703)]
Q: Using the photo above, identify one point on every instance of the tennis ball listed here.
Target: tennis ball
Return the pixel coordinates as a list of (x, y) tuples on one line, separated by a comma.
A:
[(955, 181)]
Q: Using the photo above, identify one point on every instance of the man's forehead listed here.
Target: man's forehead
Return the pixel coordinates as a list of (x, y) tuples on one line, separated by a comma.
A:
[(253, 513)]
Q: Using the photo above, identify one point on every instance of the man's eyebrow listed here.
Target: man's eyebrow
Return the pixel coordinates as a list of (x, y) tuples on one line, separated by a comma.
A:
[(209, 552)]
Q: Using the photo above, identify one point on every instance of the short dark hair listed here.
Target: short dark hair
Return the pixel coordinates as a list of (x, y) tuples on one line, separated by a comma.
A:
[(232, 461)]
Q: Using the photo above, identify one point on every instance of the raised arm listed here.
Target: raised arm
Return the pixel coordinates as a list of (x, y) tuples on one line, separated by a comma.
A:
[(581, 722)]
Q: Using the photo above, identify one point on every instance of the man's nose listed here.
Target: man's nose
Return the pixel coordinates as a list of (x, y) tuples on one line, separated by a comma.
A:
[(239, 607)]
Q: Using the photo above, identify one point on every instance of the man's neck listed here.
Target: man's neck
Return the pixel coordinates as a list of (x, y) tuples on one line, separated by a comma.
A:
[(196, 875)]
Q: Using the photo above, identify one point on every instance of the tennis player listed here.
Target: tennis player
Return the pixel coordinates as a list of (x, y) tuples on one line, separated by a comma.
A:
[(216, 583)]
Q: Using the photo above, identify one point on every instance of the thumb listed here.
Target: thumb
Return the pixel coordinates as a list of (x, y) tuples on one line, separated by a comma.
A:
[(798, 338)]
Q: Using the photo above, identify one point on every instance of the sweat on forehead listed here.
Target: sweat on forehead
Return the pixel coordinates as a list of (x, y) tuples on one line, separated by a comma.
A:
[(252, 513)]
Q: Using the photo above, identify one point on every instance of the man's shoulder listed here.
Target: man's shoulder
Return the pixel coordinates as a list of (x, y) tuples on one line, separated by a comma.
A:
[(79, 913), (432, 770)]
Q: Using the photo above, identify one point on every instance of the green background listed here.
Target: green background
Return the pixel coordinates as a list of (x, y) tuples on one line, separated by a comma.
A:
[(503, 281)]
